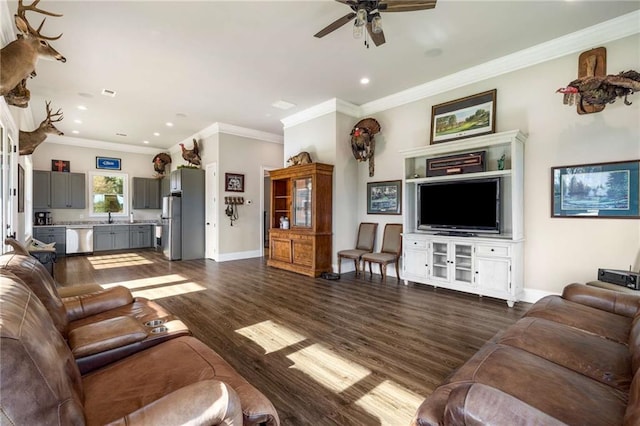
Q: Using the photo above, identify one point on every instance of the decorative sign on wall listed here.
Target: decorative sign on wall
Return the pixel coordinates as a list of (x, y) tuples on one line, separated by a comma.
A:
[(233, 182), (60, 166), (108, 163)]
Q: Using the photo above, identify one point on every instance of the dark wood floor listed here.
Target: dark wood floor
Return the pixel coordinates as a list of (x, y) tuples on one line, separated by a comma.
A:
[(348, 352)]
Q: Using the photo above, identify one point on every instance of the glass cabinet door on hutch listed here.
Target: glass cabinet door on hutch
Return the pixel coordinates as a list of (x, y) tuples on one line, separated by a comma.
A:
[(302, 202)]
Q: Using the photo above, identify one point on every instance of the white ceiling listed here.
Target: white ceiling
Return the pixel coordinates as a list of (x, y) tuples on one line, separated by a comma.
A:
[(195, 63)]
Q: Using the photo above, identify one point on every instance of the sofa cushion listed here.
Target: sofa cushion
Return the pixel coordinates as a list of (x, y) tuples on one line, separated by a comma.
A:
[(141, 309), (105, 335), (40, 379), (37, 278), (542, 384), (608, 325), (146, 376), (601, 359), (89, 304)]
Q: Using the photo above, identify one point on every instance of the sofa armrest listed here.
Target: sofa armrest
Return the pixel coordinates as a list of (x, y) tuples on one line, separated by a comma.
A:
[(209, 402), (105, 335), (605, 300), (473, 404), (78, 290), (84, 305)]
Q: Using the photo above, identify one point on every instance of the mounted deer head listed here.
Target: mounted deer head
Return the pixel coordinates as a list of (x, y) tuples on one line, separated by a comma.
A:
[(29, 141), (18, 59)]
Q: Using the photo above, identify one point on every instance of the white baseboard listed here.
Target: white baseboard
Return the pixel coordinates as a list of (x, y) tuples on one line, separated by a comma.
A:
[(225, 257), (532, 295)]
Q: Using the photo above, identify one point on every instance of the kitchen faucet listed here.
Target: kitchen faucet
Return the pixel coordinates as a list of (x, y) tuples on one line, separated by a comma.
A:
[(110, 221)]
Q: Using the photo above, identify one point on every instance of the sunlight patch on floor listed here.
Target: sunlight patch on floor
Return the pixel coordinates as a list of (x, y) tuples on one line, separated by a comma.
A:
[(168, 291), (271, 336), (391, 403), (117, 260), (327, 368), (148, 282)]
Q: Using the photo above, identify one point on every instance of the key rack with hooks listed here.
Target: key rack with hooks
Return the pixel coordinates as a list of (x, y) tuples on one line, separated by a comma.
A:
[(232, 204)]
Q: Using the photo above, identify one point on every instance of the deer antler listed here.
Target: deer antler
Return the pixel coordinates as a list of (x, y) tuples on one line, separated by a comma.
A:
[(50, 116), (21, 13)]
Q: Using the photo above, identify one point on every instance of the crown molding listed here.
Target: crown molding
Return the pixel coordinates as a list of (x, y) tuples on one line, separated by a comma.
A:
[(230, 129), (94, 144), (613, 29), (332, 105)]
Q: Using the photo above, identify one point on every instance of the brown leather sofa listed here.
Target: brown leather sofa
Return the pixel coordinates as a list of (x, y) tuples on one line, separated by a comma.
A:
[(178, 381), (571, 359), (101, 326)]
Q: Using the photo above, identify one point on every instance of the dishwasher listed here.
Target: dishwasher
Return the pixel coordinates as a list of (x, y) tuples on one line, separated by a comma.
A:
[(79, 239)]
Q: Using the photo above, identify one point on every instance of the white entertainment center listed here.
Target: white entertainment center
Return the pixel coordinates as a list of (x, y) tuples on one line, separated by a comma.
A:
[(487, 265)]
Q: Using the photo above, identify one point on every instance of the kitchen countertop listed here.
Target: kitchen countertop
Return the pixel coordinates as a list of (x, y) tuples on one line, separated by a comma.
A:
[(87, 224)]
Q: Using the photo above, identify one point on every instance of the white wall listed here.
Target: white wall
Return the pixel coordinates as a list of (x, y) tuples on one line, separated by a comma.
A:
[(557, 250), (83, 160)]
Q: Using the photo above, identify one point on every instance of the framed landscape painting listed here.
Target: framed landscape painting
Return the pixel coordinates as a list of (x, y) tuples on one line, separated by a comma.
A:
[(384, 197), (600, 190), (464, 118)]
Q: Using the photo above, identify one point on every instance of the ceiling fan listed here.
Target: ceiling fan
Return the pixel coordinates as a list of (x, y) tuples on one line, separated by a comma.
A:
[(367, 13)]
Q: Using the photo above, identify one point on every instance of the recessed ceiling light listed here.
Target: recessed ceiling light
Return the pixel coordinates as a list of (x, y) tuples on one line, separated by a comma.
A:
[(284, 105), (82, 107), (145, 141), (364, 80), (77, 121), (169, 124), (75, 132), (156, 134), (109, 92)]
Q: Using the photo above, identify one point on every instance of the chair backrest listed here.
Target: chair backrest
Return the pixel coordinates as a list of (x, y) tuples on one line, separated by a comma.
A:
[(392, 239), (367, 236)]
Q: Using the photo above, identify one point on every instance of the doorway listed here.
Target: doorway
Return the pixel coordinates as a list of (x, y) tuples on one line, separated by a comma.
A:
[(211, 211), (265, 207)]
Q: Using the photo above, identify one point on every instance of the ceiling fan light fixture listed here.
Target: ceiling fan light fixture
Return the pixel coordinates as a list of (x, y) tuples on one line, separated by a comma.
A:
[(358, 31), (376, 24), (361, 17)]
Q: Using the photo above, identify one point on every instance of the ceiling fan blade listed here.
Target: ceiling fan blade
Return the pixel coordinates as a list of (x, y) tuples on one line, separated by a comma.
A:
[(405, 5), (378, 39), (335, 25)]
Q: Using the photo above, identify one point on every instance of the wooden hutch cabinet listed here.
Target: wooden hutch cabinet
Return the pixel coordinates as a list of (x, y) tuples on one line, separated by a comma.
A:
[(302, 194)]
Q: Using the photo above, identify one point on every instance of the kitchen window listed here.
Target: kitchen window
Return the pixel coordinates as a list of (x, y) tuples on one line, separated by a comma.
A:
[(109, 193)]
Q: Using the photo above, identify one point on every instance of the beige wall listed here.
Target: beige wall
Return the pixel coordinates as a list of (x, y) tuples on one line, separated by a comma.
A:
[(246, 156), (83, 160), (558, 250)]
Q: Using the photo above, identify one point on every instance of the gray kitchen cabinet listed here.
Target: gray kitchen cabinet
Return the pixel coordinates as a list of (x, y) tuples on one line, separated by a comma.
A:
[(41, 189), (146, 193), (68, 190), (52, 234), (140, 236), (175, 183), (114, 237)]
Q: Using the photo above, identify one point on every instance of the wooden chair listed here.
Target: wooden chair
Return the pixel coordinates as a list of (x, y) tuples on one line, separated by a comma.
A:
[(365, 244), (390, 251)]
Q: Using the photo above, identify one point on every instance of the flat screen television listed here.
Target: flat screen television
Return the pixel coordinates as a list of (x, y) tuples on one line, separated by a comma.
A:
[(460, 206)]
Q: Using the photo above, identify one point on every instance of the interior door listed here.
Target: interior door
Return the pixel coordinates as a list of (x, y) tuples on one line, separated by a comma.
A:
[(211, 211)]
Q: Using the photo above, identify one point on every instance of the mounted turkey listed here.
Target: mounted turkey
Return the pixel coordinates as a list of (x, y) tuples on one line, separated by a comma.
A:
[(367, 13), (192, 156), (160, 162), (363, 144), (602, 90)]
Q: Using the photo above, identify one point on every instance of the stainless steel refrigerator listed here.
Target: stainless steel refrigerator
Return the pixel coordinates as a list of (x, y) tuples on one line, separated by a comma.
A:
[(172, 227)]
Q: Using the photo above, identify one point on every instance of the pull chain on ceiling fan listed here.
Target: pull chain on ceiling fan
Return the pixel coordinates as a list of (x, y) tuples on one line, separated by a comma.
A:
[(367, 14)]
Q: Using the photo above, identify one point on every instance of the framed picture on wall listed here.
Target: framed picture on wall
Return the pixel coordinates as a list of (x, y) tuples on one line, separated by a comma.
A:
[(598, 190), (233, 182), (474, 115), (384, 197)]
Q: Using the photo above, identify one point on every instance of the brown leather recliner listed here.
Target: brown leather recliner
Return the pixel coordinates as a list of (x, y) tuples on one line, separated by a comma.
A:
[(101, 327), (175, 382)]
